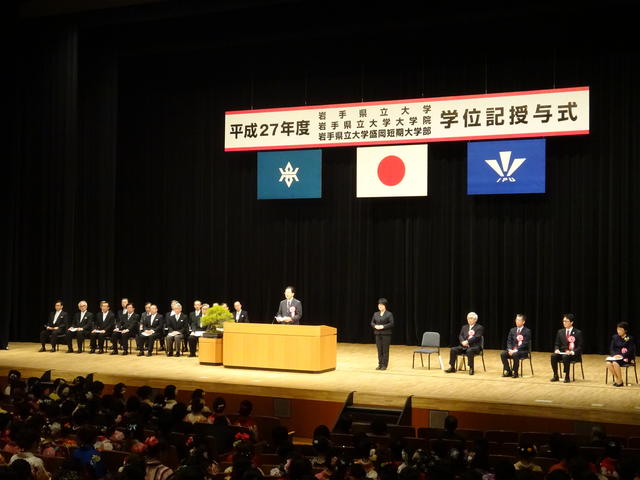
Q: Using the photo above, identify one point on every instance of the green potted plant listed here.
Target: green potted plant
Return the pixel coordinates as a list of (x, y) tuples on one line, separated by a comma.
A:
[(214, 319)]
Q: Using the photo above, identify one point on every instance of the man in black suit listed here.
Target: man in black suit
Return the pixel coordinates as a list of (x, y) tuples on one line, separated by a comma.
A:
[(518, 346), (567, 347), (126, 327), (195, 326), (55, 327), (470, 343), (165, 324), (240, 315), (152, 329), (103, 323), (178, 327), (80, 327), (122, 312), (290, 309)]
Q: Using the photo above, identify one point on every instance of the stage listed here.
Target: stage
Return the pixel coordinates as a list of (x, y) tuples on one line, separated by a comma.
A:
[(588, 400)]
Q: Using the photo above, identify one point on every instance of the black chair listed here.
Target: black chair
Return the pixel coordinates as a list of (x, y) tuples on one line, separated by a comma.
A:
[(528, 357), (480, 354), (578, 359), (430, 344), (626, 367)]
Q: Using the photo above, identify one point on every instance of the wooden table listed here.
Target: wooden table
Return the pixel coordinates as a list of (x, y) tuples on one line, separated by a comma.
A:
[(210, 351), (306, 348)]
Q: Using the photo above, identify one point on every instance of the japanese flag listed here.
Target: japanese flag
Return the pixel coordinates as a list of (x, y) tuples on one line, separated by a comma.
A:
[(392, 171)]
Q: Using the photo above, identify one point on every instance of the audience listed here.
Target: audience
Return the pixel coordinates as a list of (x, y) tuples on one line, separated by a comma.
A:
[(43, 420)]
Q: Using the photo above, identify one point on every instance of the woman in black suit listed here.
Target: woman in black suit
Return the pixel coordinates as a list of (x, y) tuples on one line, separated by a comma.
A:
[(382, 324), (623, 351)]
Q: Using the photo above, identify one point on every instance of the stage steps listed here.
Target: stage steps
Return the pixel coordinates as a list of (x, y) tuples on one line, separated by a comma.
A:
[(396, 412)]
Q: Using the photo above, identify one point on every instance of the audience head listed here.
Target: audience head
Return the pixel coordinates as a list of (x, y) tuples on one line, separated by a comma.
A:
[(246, 407), (450, 423), (170, 392), (219, 405), (527, 450)]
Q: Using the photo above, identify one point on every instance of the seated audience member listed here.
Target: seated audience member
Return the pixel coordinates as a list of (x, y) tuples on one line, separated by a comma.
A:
[(449, 429), (598, 436), (219, 406), (244, 418), (155, 458), (609, 463), (170, 393), (196, 415), (87, 455), (526, 452), (28, 440), (199, 394)]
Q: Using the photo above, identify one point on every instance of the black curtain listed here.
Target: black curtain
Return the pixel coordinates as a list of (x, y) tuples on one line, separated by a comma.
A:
[(123, 187)]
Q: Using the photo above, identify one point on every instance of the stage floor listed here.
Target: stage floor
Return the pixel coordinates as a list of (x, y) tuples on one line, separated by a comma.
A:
[(485, 392)]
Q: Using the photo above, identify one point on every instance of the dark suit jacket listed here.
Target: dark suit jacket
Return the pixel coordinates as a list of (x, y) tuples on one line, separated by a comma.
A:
[(107, 324), (179, 323), (618, 344), (157, 325), (562, 344), (120, 316), (283, 311), (87, 321), (244, 316), (194, 321), (386, 320), (512, 341), (131, 324), (62, 323), (477, 336), (143, 317)]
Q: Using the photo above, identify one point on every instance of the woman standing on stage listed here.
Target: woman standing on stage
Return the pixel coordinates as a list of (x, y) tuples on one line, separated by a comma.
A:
[(623, 352), (382, 324)]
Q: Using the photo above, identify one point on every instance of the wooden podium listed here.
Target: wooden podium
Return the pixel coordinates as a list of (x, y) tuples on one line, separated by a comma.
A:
[(306, 348)]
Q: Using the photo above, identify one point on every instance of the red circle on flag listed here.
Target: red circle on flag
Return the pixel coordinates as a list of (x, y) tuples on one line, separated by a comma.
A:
[(391, 170)]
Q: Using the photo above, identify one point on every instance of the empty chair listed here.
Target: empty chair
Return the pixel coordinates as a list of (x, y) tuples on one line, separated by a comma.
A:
[(430, 344)]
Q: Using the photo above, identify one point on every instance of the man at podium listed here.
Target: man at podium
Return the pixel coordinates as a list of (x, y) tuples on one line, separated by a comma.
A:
[(290, 310)]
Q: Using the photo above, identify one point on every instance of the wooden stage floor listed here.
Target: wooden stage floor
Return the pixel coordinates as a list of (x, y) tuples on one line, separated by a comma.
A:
[(485, 392)]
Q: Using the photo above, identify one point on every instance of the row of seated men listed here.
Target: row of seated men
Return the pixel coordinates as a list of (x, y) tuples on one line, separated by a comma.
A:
[(173, 329), (568, 345)]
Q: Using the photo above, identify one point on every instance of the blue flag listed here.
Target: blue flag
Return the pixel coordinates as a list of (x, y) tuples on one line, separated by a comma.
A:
[(290, 174), (509, 166)]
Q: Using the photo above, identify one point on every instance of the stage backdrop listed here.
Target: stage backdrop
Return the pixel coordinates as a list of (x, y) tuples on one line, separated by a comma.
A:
[(119, 184)]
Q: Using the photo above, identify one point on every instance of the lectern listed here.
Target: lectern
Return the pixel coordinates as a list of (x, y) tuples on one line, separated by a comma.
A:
[(306, 348)]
